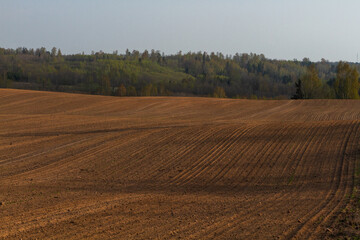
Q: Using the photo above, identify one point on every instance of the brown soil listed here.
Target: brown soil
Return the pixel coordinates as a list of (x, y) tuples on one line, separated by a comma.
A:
[(93, 167)]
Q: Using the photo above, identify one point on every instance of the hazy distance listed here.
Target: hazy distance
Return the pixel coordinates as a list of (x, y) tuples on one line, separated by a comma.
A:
[(277, 28)]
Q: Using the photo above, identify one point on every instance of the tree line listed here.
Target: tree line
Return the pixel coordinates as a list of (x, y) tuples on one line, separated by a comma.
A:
[(152, 73), (344, 86)]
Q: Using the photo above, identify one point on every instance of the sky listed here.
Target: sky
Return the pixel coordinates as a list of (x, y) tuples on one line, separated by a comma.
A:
[(279, 29)]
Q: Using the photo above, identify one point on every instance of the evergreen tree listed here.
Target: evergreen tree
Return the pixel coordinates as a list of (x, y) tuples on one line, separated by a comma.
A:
[(299, 90)]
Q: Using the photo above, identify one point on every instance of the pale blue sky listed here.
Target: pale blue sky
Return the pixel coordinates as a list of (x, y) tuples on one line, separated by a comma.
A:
[(281, 29)]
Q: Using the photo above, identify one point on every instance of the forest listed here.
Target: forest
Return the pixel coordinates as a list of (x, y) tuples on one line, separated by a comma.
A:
[(152, 73)]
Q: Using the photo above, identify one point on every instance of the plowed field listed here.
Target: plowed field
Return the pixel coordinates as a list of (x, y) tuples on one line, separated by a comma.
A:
[(94, 167)]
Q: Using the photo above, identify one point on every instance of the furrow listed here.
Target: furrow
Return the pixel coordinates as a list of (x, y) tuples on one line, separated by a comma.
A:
[(209, 159), (209, 148), (238, 149), (347, 172), (304, 228)]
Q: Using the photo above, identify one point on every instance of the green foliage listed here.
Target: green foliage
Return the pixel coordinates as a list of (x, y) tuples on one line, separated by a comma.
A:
[(2, 81), (5, 82), (121, 91), (131, 91), (154, 74), (253, 97), (146, 90), (105, 87), (347, 82), (311, 83), (219, 92), (149, 90)]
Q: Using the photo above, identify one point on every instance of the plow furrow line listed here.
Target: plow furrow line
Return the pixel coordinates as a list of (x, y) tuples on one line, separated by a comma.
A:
[(304, 153), (177, 152), (87, 151), (260, 158), (209, 149), (347, 171), (309, 219), (250, 148), (224, 223), (296, 192), (273, 202), (183, 154), (38, 153), (235, 159), (66, 163), (227, 149), (132, 155), (61, 214), (206, 162)]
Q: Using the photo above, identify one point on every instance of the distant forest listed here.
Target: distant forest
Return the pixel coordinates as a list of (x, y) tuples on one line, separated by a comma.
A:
[(183, 74)]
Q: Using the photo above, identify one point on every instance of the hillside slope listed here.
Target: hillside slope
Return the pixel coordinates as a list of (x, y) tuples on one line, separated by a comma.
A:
[(95, 167)]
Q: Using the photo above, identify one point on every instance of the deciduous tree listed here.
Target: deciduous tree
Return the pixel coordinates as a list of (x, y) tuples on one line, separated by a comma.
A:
[(347, 82)]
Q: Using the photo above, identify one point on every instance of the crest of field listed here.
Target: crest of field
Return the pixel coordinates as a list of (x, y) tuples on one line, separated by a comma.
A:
[(80, 166)]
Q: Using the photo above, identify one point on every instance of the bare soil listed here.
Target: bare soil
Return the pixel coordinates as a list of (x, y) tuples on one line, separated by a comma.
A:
[(93, 167)]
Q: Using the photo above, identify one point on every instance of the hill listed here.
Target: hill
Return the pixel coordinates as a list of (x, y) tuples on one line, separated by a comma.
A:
[(97, 167), (190, 74)]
